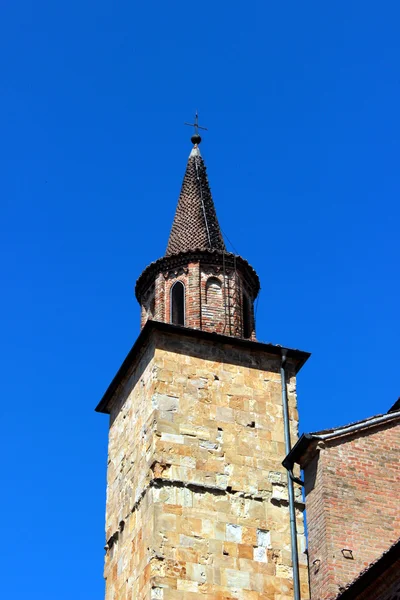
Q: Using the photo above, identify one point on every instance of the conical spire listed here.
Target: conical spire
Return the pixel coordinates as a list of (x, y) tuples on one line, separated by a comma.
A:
[(195, 225)]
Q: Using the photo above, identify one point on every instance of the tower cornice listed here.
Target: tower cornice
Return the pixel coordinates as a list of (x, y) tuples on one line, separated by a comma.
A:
[(294, 356), (216, 257)]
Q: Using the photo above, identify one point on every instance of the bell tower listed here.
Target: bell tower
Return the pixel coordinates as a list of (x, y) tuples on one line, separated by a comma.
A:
[(198, 283), (197, 497)]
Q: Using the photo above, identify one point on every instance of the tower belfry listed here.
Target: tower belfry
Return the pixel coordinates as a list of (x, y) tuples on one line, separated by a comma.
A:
[(216, 287), (196, 491)]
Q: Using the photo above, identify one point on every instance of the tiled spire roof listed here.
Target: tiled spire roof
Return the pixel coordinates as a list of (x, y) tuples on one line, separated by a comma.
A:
[(195, 225)]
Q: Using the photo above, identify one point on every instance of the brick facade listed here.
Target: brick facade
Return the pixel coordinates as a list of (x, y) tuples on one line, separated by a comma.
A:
[(215, 284), (386, 587), (196, 494), (352, 500), (380, 581)]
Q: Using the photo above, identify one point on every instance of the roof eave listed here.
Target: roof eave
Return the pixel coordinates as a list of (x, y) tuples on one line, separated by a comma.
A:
[(162, 263), (298, 450), (371, 574), (306, 439), (298, 357)]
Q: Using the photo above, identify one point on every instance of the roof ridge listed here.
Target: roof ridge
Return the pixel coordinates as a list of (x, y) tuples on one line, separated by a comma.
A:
[(307, 439), (388, 417)]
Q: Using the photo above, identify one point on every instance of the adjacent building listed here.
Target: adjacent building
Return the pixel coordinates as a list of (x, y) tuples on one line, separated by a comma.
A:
[(352, 487)]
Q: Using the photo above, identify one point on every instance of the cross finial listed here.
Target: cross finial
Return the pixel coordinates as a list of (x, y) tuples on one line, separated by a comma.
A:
[(196, 139)]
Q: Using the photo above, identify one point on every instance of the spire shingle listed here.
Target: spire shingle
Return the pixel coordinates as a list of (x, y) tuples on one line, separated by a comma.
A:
[(195, 225)]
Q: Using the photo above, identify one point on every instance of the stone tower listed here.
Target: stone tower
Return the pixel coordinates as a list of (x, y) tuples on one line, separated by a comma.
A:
[(196, 493)]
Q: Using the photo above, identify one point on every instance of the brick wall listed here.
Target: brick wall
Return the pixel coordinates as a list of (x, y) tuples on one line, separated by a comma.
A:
[(213, 298), (197, 495), (385, 587), (352, 500)]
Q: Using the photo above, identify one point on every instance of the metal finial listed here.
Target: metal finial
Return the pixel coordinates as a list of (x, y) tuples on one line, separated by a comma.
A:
[(196, 139)]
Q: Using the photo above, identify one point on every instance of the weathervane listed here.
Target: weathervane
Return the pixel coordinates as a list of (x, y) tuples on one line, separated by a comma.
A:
[(196, 139)]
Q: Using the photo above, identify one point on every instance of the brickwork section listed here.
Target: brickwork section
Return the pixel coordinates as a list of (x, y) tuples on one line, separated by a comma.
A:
[(385, 587), (352, 492), (213, 298), (197, 495)]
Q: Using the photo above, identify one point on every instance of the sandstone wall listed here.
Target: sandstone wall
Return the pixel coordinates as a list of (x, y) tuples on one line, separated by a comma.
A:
[(196, 502)]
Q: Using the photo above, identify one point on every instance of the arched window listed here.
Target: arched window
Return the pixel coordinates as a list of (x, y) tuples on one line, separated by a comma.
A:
[(152, 308), (247, 329), (178, 303), (213, 291)]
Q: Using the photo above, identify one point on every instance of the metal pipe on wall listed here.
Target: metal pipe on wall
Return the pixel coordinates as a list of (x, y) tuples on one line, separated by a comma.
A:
[(292, 509)]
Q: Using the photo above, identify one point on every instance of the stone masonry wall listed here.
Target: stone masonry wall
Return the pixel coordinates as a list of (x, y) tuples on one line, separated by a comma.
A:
[(197, 495), (352, 492)]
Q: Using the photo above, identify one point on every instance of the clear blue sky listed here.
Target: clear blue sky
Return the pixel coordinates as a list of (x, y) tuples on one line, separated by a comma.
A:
[(302, 104)]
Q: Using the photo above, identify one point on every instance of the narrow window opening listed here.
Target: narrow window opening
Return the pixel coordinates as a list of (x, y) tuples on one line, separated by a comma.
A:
[(178, 303), (152, 308), (213, 291), (246, 317)]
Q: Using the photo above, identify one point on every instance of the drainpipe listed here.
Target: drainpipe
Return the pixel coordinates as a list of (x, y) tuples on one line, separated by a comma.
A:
[(292, 510)]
